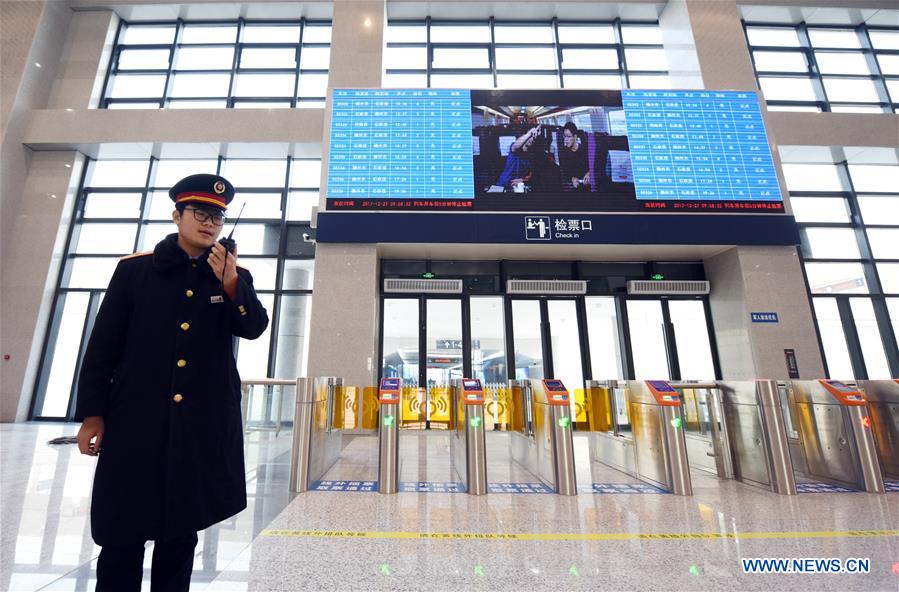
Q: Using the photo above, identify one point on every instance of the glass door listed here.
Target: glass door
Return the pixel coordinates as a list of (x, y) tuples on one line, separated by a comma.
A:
[(670, 340), (400, 347), (691, 334), (445, 358), (647, 334), (527, 339), (605, 346)]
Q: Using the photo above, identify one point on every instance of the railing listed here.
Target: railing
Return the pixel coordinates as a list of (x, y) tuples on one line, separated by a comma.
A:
[(273, 410)]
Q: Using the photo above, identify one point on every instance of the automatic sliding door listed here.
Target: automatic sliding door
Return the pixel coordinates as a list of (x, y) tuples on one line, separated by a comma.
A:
[(528, 340), (605, 348), (444, 362), (647, 335), (691, 334), (400, 356)]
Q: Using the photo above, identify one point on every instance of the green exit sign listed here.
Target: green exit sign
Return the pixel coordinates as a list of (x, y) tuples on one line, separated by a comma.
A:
[(657, 276), (428, 275)]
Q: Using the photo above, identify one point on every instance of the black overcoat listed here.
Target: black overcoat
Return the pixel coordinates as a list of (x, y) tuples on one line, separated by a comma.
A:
[(160, 369)]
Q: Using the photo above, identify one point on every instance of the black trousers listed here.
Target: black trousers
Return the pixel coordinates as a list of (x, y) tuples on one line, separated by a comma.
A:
[(121, 569)]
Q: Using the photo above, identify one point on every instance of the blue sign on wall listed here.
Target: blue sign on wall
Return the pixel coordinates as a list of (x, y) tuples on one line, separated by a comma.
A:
[(764, 317)]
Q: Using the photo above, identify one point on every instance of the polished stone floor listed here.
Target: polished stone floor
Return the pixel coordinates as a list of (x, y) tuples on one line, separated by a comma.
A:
[(334, 540)]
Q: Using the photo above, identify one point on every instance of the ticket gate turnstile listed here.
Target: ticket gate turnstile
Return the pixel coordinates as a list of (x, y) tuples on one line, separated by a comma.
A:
[(636, 427), (883, 409), (316, 442), (388, 435), (734, 429), (541, 439), (467, 442), (467, 446), (834, 433)]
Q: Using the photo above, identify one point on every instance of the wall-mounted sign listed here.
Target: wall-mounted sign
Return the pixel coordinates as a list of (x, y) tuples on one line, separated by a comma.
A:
[(764, 317), (552, 150), (455, 344), (792, 364)]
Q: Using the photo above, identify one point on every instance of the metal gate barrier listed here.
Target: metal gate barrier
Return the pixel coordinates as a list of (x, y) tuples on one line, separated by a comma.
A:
[(468, 447), (883, 409), (833, 434), (734, 429), (541, 438), (316, 440)]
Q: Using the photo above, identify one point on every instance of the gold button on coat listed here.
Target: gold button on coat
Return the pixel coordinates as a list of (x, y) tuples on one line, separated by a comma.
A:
[(182, 363), (177, 398), (189, 293), (185, 326)]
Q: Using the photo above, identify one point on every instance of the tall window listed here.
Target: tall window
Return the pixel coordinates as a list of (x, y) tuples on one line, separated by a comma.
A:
[(123, 207), (241, 64), (849, 220), (533, 54), (826, 68)]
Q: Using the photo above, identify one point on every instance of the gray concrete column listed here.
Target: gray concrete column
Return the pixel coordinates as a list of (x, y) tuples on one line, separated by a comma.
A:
[(344, 328), (31, 265), (85, 60), (761, 279)]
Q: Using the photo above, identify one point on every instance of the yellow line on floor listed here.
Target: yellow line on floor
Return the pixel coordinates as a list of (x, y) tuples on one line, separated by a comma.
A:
[(604, 536)]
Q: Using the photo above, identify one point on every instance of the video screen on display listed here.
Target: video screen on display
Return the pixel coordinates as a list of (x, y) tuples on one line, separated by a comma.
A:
[(472, 385), (559, 150)]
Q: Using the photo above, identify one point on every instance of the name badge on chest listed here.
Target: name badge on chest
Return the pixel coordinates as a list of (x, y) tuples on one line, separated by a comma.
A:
[(216, 299)]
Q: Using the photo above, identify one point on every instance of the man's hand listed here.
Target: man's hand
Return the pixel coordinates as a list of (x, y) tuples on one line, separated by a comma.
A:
[(91, 428), (224, 265)]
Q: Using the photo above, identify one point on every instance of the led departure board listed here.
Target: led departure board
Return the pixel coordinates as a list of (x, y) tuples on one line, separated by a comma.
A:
[(691, 145), (550, 151), (400, 144)]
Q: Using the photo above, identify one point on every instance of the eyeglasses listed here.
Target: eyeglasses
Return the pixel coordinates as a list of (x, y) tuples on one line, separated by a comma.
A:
[(202, 216)]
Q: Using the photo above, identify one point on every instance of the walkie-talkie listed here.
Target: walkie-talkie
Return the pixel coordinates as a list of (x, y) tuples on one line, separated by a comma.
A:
[(229, 243)]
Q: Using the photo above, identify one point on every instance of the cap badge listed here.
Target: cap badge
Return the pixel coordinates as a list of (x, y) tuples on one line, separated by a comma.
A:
[(219, 187)]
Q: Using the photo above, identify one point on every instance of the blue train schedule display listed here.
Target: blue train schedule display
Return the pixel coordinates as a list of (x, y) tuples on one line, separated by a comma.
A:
[(693, 146), (407, 144), (550, 151)]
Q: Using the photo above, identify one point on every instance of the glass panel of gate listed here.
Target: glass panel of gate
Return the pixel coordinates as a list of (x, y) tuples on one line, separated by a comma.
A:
[(528, 344), (566, 347), (691, 333), (602, 327), (488, 358), (400, 356), (444, 363), (648, 339)]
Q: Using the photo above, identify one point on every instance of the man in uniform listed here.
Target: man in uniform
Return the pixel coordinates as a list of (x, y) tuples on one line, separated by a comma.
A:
[(159, 395)]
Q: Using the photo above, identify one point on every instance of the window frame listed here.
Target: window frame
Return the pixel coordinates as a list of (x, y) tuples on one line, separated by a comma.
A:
[(165, 100), (822, 103), (559, 71)]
